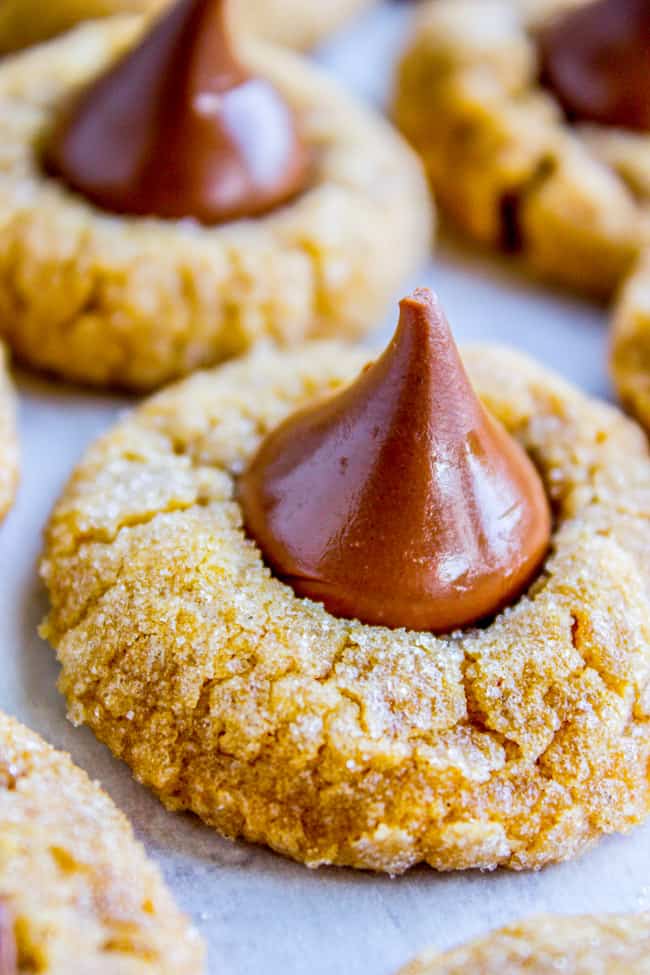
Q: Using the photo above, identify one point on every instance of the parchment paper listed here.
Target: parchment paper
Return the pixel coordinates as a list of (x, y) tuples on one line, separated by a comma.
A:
[(258, 912)]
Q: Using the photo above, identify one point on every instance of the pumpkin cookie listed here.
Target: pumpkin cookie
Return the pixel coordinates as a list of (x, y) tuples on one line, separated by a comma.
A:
[(231, 693), (523, 116), (291, 211), (288, 22), (615, 944), (8, 441), (630, 343), (77, 893)]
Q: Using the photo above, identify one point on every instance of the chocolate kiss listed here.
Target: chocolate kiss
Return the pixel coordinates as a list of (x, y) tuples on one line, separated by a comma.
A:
[(596, 60), (400, 501), (178, 128)]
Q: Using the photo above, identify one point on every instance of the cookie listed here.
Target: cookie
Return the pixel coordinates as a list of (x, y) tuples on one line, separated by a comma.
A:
[(132, 301), (630, 343), (615, 944), (569, 198), (8, 439), (77, 892), (298, 24), (515, 743), (25, 22)]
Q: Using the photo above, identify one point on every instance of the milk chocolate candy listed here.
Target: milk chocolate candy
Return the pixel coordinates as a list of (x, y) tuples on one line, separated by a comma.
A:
[(179, 128), (400, 501), (596, 61)]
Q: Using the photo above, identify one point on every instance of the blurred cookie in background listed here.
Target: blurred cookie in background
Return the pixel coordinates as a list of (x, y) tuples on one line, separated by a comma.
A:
[(8, 438), (291, 211), (290, 22), (630, 343), (532, 119)]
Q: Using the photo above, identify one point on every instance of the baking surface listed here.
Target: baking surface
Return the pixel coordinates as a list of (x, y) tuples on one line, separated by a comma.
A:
[(257, 911)]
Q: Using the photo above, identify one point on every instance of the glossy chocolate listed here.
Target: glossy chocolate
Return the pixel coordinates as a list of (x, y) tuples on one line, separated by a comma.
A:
[(596, 60), (178, 128), (8, 949), (400, 501)]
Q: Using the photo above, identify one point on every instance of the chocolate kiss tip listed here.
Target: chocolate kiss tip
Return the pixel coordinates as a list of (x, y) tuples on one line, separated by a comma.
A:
[(400, 501), (421, 298), (422, 307), (179, 129), (424, 301)]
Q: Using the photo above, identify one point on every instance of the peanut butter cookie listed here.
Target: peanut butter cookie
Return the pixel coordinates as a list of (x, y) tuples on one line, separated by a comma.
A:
[(8, 439), (630, 343), (77, 893), (289, 22), (515, 743), (615, 944), (567, 188), (108, 298)]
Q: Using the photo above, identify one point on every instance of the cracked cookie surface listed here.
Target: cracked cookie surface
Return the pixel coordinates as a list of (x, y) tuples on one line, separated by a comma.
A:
[(8, 439), (134, 301), (517, 743), (290, 22), (630, 343), (614, 944), (77, 892), (571, 200)]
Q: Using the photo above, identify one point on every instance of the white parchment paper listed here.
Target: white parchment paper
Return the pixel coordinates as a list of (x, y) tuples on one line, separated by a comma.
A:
[(258, 912)]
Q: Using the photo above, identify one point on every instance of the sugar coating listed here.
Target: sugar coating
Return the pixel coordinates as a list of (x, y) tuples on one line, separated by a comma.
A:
[(572, 200), (630, 342), (289, 22), (135, 301), (8, 438), (331, 741), (78, 889), (614, 944)]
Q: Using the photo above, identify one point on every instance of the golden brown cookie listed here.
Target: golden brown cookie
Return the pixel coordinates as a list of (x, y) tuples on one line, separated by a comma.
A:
[(8, 439), (516, 743), (134, 301), (630, 343), (290, 22), (77, 892), (296, 23), (615, 944), (572, 200), (27, 22)]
